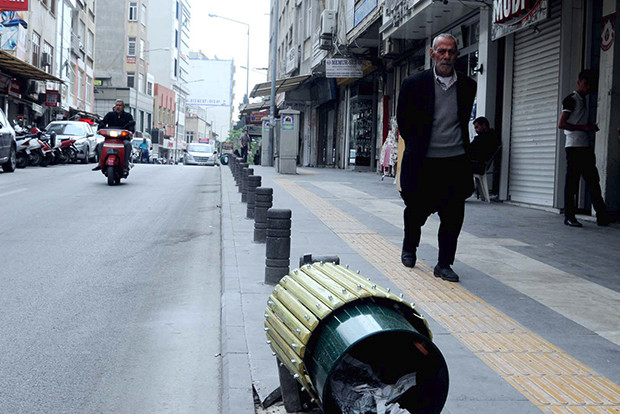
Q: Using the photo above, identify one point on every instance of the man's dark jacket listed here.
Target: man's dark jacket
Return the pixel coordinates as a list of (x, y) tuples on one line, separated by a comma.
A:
[(416, 106), (115, 120)]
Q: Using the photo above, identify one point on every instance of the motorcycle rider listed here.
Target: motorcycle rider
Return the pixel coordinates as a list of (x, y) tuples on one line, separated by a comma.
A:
[(144, 151), (118, 118)]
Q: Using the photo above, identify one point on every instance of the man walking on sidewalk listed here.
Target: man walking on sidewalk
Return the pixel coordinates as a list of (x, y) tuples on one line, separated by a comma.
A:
[(433, 113), (580, 159)]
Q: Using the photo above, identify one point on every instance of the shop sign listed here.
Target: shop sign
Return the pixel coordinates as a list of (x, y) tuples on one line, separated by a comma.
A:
[(291, 59), (37, 108), (131, 59), (608, 32), (14, 89), (397, 10), (343, 68), (288, 122), (51, 97), (258, 116), (363, 10), (510, 16), (265, 125), (14, 5)]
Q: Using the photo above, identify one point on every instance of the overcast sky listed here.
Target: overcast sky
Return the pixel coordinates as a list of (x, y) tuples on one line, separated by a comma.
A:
[(228, 40)]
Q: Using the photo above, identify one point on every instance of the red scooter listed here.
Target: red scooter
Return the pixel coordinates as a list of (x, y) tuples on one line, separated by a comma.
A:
[(113, 155)]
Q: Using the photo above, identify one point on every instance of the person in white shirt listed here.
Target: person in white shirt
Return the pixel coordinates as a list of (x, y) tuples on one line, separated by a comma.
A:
[(580, 158)]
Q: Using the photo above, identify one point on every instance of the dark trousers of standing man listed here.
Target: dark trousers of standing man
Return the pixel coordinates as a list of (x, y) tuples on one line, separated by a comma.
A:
[(444, 185), (581, 161), (244, 154)]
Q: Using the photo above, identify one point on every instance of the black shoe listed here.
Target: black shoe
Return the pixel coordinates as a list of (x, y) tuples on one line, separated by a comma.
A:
[(97, 168), (408, 259), (572, 222), (446, 273)]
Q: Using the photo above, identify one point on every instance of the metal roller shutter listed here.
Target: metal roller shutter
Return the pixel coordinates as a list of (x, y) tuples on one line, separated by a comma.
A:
[(535, 112)]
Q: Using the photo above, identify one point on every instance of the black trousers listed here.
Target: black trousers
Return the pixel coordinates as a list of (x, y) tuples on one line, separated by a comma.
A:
[(244, 154), (581, 162), (442, 190)]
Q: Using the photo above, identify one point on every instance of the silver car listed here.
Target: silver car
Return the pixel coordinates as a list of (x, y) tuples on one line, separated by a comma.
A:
[(82, 133), (199, 154)]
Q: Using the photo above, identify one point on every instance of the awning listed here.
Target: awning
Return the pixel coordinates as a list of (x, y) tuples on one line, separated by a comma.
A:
[(282, 85), (255, 106), (17, 67)]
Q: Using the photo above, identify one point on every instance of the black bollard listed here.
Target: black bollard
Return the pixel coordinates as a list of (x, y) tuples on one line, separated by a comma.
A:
[(240, 167), (242, 174), (253, 183), (264, 201), (244, 184), (278, 249)]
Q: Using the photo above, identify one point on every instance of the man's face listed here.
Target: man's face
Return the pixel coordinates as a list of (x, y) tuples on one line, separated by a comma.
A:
[(119, 107), (480, 128), (444, 55), (584, 86)]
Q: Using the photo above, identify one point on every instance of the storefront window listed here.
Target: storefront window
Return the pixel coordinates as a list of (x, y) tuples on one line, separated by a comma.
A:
[(361, 132)]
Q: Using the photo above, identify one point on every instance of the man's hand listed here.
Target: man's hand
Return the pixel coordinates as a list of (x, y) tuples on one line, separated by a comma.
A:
[(591, 128)]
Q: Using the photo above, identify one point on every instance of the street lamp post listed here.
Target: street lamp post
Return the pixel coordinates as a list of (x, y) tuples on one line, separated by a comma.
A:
[(247, 59), (274, 72)]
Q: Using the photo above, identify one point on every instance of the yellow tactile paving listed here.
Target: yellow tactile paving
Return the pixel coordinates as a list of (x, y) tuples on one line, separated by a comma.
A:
[(551, 379)]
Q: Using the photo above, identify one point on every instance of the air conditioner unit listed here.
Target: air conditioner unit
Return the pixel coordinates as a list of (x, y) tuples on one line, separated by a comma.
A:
[(325, 43), (45, 59), (390, 48), (328, 22)]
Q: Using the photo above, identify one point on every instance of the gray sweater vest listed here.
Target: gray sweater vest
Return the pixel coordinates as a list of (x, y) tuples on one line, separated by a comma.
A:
[(446, 137)]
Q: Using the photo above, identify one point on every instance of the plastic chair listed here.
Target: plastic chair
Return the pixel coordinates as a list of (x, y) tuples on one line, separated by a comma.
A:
[(481, 181)]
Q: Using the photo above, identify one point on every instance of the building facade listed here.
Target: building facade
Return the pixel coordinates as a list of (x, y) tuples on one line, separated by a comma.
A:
[(345, 61), (171, 41)]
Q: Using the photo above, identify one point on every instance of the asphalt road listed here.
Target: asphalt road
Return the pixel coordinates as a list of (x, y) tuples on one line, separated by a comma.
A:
[(110, 296)]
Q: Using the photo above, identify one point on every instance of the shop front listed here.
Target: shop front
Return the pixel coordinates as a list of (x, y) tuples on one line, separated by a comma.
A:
[(23, 90)]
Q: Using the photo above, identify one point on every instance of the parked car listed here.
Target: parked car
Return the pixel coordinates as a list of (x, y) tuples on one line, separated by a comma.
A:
[(8, 146), (82, 132), (199, 154)]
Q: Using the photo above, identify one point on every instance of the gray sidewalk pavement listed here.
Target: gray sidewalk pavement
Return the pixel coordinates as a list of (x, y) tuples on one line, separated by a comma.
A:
[(556, 283)]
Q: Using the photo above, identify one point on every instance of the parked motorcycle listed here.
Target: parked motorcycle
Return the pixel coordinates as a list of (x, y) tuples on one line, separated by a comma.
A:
[(113, 154), (68, 151)]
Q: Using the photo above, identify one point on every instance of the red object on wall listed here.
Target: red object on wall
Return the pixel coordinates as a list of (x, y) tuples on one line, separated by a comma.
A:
[(13, 5)]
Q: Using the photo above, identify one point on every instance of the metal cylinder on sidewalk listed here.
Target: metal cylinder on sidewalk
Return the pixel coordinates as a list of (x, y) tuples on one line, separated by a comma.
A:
[(278, 249), (254, 181), (244, 184), (264, 201), (350, 342), (238, 176), (242, 176)]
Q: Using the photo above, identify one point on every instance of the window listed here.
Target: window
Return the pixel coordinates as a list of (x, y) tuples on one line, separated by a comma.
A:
[(131, 46), (36, 46), (190, 136), (89, 90), (90, 41), (176, 68), (140, 82), (133, 11), (176, 38), (149, 88), (131, 79), (143, 14), (178, 9), (141, 49)]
